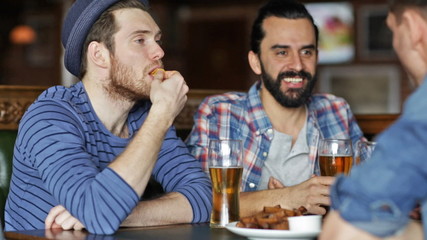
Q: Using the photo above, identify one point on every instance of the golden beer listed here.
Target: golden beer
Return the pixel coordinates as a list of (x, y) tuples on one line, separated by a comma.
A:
[(330, 165), (225, 192)]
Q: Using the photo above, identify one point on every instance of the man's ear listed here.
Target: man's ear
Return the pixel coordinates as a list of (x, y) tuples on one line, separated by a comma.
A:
[(254, 62), (98, 54)]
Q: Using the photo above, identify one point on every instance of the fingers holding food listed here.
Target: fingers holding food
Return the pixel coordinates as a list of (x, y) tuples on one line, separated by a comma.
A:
[(155, 71), (161, 74), (158, 74), (168, 93)]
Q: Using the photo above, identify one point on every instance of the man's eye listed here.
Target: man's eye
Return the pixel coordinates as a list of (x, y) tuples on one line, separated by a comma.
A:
[(307, 52), (140, 41), (282, 53), (159, 42)]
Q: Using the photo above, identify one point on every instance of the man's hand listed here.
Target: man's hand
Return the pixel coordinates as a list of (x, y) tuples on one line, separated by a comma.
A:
[(312, 194), (59, 217), (168, 90), (336, 228)]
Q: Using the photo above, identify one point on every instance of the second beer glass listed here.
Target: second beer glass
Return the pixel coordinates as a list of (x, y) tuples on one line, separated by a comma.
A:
[(225, 168), (335, 156)]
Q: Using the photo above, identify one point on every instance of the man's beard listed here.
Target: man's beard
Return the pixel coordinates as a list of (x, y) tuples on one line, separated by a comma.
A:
[(293, 97), (124, 85)]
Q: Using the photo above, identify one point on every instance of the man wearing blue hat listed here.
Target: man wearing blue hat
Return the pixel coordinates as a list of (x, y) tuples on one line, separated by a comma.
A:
[(86, 153)]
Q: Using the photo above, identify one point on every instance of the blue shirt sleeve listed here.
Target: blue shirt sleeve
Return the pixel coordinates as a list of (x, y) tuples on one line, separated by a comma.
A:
[(380, 193)]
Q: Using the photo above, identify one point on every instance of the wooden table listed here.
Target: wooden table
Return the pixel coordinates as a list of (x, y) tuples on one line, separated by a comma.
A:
[(172, 232)]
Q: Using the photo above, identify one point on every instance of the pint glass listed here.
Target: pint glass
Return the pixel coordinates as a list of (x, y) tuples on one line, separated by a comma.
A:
[(225, 168)]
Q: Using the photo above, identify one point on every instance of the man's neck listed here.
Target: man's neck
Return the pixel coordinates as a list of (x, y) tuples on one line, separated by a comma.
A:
[(286, 120), (113, 112)]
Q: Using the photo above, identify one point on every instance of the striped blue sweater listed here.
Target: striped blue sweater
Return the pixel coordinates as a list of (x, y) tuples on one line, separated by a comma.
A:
[(61, 156)]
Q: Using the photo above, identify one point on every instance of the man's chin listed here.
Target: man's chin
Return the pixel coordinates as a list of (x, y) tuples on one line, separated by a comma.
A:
[(292, 102), (292, 105), (293, 97)]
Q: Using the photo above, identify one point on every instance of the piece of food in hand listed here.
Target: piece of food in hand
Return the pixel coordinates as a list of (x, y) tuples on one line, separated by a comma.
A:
[(156, 70), (271, 218)]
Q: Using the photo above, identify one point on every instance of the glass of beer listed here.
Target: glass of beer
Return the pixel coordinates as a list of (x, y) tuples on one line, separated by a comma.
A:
[(225, 168), (335, 156)]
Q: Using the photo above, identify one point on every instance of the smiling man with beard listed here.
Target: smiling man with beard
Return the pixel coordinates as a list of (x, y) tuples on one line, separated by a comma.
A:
[(85, 154), (279, 120)]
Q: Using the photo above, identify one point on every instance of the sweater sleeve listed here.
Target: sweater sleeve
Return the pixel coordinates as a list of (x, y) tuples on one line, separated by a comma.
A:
[(53, 143)]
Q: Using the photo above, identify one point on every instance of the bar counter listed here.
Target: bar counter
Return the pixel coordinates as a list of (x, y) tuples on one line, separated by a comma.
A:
[(169, 232)]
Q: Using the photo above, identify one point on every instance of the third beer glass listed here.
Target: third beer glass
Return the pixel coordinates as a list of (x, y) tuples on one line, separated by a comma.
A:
[(225, 168), (335, 156), (364, 151)]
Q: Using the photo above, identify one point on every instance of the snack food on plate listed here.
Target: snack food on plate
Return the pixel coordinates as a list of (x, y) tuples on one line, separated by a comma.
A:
[(271, 218)]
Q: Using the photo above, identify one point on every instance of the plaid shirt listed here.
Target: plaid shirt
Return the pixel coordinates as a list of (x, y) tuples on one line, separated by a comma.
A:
[(237, 115)]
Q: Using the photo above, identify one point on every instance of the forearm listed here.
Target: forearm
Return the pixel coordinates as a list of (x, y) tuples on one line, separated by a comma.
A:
[(137, 161), (311, 194), (172, 208)]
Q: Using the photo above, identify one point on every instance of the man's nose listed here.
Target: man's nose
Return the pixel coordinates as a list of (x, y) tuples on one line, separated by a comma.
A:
[(296, 63), (157, 53)]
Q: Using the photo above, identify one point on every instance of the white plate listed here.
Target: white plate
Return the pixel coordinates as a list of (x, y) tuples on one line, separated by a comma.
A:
[(260, 234)]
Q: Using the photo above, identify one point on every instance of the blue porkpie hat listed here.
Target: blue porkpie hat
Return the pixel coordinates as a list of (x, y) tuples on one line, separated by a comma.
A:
[(79, 20)]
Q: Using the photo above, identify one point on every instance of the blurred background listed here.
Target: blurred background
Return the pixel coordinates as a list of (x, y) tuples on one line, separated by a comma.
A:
[(208, 41)]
